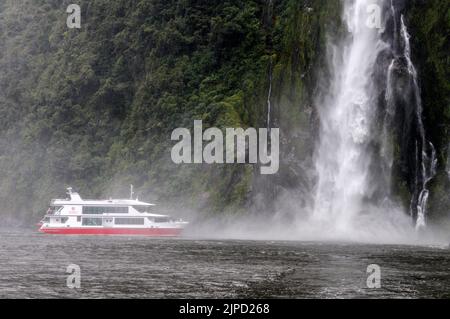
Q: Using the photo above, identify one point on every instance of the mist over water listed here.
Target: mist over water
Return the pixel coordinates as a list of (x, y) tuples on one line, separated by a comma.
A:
[(380, 227)]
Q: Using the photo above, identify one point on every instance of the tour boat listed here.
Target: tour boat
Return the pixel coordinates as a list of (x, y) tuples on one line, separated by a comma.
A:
[(75, 216)]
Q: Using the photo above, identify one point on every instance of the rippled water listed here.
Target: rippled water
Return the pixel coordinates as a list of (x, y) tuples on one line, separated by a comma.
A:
[(33, 265)]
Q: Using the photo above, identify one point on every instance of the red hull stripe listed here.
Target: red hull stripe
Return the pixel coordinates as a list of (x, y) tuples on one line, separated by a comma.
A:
[(157, 232)]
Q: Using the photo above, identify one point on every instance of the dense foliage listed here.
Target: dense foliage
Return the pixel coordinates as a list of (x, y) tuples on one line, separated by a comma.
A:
[(94, 107)]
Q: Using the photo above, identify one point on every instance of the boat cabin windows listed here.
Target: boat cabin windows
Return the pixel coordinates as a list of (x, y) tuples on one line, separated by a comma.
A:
[(159, 219), (129, 221), (54, 209), (142, 209), (61, 220), (98, 210), (92, 221)]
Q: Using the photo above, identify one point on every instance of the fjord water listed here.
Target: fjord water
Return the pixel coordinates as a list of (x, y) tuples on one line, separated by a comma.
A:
[(34, 265)]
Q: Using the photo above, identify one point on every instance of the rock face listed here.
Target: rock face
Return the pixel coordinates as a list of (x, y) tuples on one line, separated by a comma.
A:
[(429, 24), (94, 107)]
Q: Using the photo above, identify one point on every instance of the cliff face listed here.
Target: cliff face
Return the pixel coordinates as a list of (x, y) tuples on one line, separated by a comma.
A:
[(430, 29), (94, 108)]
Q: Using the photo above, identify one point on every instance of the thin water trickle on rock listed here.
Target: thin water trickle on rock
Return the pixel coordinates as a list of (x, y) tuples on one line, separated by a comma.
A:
[(425, 151)]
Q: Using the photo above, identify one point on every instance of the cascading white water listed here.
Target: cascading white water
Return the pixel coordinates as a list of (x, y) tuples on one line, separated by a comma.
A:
[(355, 155), (428, 171), (426, 156), (346, 115)]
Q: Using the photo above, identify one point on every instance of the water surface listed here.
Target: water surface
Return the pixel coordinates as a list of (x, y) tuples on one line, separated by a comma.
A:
[(33, 265)]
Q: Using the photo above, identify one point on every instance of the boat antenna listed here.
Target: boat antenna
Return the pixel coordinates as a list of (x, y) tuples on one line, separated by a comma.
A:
[(131, 191)]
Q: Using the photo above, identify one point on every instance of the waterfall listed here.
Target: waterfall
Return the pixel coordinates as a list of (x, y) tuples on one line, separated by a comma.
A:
[(448, 161), (425, 152), (269, 95), (386, 147), (353, 178), (347, 113), (428, 171)]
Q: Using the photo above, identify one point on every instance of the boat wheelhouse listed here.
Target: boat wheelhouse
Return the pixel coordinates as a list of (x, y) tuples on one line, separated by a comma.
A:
[(75, 216)]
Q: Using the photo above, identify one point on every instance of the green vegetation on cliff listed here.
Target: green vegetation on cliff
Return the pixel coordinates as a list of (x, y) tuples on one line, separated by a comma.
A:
[(94, 108)]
